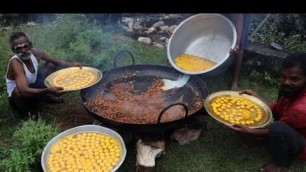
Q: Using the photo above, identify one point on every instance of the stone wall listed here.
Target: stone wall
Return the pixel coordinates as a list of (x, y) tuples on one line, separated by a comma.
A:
[(260, 58)]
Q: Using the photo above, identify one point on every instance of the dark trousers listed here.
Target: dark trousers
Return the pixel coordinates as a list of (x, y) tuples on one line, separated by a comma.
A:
[(27, 104), (285, 143)]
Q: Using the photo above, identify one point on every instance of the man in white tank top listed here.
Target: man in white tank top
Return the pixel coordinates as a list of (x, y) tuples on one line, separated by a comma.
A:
[(25, 83)]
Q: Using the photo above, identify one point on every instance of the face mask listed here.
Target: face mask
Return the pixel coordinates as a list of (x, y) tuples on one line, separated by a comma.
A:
[(289, 92), (24, 56)]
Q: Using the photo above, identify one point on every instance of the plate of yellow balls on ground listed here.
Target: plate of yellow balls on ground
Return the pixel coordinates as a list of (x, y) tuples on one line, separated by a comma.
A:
[(84, 148), (231, 107), (74, 78)]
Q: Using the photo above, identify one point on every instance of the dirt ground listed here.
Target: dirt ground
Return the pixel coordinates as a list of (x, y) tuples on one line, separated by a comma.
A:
[(72, 115)]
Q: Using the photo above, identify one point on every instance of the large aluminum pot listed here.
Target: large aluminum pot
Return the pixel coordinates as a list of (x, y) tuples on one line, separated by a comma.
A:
[(84, 129), (210, 36)]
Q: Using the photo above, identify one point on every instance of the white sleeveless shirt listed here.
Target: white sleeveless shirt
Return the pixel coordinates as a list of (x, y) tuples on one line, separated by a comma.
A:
[(31, 77)]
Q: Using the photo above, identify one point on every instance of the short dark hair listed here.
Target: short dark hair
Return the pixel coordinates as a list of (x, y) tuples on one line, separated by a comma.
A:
[(16, 35), (294, 60)]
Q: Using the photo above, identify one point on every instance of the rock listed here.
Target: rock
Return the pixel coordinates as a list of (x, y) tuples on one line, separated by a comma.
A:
[(31, 24), (145, 40), (158, 24), (151, 26), (158, 45), (164, 28), (151, 30), (163, 38), (130, 30), (175, 16), (129, 23), (186, 135), (171, 28), (137, 26), (125, 28)]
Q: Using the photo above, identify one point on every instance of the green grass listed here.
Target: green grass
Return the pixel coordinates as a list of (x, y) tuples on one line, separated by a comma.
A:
[(72, 38)]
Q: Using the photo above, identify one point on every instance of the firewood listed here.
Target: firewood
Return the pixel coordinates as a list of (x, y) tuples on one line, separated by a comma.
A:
[(147, 152)]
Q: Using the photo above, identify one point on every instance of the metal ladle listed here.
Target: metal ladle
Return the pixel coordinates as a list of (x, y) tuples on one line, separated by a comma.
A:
[(279, 47)]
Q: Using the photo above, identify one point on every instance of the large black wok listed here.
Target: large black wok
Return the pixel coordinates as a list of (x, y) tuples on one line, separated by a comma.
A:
[(144, 75)]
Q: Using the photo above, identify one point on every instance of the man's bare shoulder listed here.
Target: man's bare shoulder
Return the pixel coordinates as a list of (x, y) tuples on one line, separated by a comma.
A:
[(14, 67), (15, 64), (15, 61), (37, 51)]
